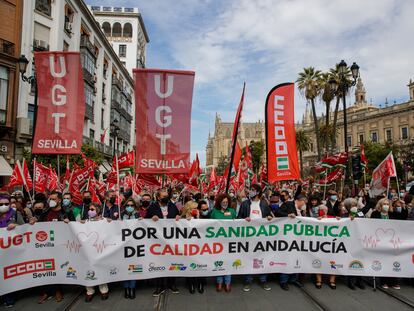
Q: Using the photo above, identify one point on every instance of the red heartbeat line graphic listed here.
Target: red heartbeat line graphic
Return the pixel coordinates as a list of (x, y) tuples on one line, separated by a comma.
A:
[(73, 246), (372, 241), (100, 247)]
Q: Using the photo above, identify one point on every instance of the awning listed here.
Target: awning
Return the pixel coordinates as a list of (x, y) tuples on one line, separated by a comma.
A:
[(5, 168), (105, 167)]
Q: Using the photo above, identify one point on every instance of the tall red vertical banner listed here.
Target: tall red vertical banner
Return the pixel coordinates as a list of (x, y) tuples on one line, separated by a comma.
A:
[(163, 100), (61, 103), (282, 157)]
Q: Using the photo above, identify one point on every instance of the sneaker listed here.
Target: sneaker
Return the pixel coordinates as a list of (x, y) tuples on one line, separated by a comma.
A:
[(246, 287), (158, 292), (9, 304), (396, 287), (384, 286), (284, 286), (265, 286), (174, 289)]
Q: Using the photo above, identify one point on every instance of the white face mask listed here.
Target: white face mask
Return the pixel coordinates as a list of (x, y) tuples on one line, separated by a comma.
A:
[(385, 208), (4, 209), (52, 203), (354, 210), (303, 207)]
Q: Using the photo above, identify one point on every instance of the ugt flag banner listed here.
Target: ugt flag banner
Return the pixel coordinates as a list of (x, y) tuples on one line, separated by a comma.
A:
[(282, 157), (381, 176), (163, 120), (61, 103)]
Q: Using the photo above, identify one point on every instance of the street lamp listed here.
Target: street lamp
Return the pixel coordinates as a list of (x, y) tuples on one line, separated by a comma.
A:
[(23, 62), (115, 131), (342, 86)]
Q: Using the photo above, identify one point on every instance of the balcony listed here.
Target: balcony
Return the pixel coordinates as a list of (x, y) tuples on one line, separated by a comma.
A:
[(126, 115), (129, 97), (89, 112), (85, 43), (116, 82), (6, 47), (88, 77), (124, 135), (115, 105), (107, 150)]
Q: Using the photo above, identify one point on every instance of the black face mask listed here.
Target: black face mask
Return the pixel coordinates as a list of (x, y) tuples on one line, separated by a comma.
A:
[(145, 204), (165, 200), (282, 198), (38, 212), (112, 200), (87, 201), (212, 197)]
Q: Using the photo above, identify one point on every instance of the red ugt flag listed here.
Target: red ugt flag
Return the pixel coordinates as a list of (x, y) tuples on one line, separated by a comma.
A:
[(381, 175)]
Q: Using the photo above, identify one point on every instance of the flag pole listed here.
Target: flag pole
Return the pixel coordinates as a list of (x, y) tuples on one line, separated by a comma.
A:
[(58, 169), (24, 180), (117, 182), (34, 176)]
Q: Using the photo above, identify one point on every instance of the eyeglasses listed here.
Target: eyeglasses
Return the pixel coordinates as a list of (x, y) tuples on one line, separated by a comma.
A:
[(4, 204)]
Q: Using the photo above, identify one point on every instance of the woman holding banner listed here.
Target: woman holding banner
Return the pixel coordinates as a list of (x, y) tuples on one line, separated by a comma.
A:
[(223, 211)]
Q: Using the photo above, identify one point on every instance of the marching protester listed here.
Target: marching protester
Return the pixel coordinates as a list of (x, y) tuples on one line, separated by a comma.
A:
[(163, 208), (255, 208), (144, 205), (223, 211), (81, 213), (111, 209), (333, 203)]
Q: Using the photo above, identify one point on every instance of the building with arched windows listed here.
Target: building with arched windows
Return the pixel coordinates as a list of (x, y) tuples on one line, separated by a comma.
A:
[(125, 30)]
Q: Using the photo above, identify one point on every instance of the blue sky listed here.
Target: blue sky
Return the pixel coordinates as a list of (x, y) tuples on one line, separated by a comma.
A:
[(268, 42)]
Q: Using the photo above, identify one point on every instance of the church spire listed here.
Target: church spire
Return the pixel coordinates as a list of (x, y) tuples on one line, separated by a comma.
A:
[(360, 93), (307, 119)]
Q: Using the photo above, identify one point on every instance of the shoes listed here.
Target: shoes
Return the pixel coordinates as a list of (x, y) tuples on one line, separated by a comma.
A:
[(58, 296), (9, 304), (88, 298), (384, 286), (298, 284), (318, 285), (158, 292), (265, 286), (219, 287), (105, 296), (396, 286), (132, 293), (192, 289), (246, 287), (227, 288), (174, 289), (351, 286), (332, 285), (45, 297), (201, 288), (284, 286), (360, 285), (127, 293)]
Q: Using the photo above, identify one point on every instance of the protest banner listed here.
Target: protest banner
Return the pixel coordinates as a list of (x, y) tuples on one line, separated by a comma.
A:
[(163, 101), (61, 106), (100, 252)]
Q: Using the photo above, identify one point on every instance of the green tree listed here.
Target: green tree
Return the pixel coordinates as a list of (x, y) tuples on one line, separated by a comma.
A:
[(309, 84), (302, 144), (376, 153), (222, 165), (326, 133), (257, 149), (327, 95)]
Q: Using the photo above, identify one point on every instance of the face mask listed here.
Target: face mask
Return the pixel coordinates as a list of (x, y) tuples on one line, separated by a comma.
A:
[(38, 212), (283, 199), (175, 196), (385, 208), (315, 210), (204, 212), (112, 200), (224, 205), (129, 209), (4, 208), (87, 201), (29, 205), (145, 204), (231, 195), (66, 202), (52, 204), (354, 210), (92, 213), (165, 200), (212, 197), (303, 207), (274, 206), (252, 194), (398, 209), (334, 197)]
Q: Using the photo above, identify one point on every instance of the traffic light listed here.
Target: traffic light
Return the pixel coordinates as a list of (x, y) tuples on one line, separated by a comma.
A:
[(356, 167)]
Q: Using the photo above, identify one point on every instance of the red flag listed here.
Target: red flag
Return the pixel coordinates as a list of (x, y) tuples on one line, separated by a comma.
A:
[(339, 158), (88, 162), (103, 136), (41, 176), (364, 160), (79, 178), (26, 177), (112, 177), (263, 174), (282, 157), (237, 156), (91, 189), (331, 177), (195, 171), (149, 179), (16, 179), (213, 179), (163, 101), (53, 180), (381, 175), (65, 178), (124, 160), (61, 103), (254, 179)]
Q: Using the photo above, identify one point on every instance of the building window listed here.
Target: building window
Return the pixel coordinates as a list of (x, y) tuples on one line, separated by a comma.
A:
[(388, 135), (91, 134), (123, 64), (102, 118), (404, 132), (88, 95), (43, 6), (361, 138), (127, 30), (374, 137), (349, 140), (30, 116), (122, 50), (4, 93), (68, 18), (117, 30), (88, 62)]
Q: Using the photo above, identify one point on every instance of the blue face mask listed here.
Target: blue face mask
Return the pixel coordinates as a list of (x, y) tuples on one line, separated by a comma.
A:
[(315, 210), (398, 209), (129, 209), (66, 202), (334, 197), (204, 212), (274, 206)]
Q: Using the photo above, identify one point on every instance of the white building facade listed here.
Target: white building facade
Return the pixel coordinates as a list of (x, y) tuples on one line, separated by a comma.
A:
[(68, 25), (125, 30)]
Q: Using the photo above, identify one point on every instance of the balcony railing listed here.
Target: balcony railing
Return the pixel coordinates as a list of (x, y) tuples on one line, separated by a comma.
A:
[(85, 43), (124, 113), (6, 47), (117, 82), (115, 105), (88, 77), (89, 112), (124, 135), (107, 150)]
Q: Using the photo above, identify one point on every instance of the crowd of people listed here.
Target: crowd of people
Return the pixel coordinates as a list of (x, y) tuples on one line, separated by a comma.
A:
[(174, 203)]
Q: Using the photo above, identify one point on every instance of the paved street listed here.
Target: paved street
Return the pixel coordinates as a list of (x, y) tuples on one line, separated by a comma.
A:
[(296, 299)]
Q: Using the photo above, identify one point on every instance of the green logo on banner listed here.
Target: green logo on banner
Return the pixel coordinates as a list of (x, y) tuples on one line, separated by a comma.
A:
[(282, 163)]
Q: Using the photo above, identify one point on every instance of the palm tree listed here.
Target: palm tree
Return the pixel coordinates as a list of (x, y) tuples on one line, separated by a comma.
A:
[(309, 84), (334, 72), (302, 144), (326, 134), (327, 94)]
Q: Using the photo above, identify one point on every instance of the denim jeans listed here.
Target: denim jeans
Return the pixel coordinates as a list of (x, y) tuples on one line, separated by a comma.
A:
[(8, 298), (262, 278), (130, 284), (288, 278), (226, 278)]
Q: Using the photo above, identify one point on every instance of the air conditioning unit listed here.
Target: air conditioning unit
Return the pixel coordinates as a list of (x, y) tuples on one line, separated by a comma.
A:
[(23, 127), (41, 44)]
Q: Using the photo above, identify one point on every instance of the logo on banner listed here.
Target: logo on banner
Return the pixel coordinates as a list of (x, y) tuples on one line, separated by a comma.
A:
[(42, 236), (197, 267), (376, 265), (282, 163), (71, 273), (40, 268), (134, 269), (316, 263), (396, 266), (177, 267), (113, 271), (335, 266), (237, 264), (297, 264), (154, 268), (356, 265), (218, 266), (90, 275), (258, 263), (277, 263)]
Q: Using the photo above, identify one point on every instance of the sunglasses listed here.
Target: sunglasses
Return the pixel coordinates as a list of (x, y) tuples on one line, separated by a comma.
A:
[(3, 204)]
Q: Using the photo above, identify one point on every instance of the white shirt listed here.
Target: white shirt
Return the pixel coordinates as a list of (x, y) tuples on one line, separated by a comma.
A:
[(255, 211), (164, 211)]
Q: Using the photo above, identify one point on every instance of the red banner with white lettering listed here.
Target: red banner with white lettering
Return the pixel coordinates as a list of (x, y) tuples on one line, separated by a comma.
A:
[(282, 157), (381, 176), (61, 103), (163, 101)]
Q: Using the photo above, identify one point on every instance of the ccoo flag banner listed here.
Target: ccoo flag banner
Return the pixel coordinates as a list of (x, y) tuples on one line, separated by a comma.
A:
[(61, 103), (163, 101), (100, 252), (282, 157)]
